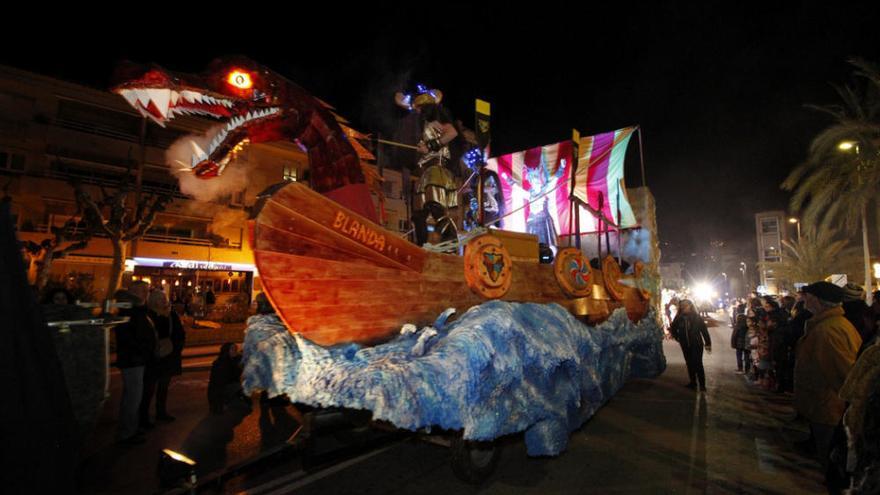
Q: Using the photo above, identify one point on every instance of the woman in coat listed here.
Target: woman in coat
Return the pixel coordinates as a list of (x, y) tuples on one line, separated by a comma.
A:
[(172, 338), (690, 331)]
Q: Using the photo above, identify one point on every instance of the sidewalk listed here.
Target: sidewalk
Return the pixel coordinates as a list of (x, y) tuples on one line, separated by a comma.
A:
[(195, 358), (200, 336), (240, 434)]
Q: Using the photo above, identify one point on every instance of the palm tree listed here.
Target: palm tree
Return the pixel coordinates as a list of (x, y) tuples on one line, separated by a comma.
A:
[(839, 183), (814, 256)]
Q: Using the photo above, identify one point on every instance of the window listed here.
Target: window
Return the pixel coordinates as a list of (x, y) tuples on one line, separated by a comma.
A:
[(771, 252), (769, 226), (289, 173), (13, 162), (98, 120)]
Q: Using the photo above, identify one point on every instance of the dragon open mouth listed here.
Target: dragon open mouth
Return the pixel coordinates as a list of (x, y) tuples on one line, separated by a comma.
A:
[(162, 105)]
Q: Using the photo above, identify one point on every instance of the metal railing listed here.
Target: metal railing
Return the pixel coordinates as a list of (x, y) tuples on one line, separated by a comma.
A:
[(59, 220)]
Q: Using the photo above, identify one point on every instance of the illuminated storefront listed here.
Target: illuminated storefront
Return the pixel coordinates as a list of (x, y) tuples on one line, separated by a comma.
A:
[(181, 279)]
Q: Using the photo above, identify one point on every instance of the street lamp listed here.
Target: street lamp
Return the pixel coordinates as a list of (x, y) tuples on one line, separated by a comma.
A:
[(743, 268), (845, 146), (798, 222)]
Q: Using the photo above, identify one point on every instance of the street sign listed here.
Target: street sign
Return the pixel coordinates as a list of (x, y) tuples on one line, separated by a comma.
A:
[(838, 279)]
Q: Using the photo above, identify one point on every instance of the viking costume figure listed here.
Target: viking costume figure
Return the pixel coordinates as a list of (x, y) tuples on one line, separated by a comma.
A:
[(437, 189), (540, 222)]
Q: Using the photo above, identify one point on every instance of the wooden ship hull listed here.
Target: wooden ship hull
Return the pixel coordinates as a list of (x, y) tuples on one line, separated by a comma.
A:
[(334, 276)]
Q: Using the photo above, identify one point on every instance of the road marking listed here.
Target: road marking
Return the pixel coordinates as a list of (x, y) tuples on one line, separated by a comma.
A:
[(301, 478)]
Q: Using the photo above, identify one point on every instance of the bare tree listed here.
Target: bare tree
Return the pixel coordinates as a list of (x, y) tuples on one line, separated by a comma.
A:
[(65, 239), (112, 216)]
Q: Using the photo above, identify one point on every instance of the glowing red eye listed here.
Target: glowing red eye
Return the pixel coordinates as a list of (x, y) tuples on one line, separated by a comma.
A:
[(240, 79)]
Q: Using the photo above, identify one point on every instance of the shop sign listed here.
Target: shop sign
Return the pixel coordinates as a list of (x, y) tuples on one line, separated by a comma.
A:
[(197, 265)]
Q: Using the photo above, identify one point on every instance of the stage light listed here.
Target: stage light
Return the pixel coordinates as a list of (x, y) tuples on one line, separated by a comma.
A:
[(703, 291), (174, 468)]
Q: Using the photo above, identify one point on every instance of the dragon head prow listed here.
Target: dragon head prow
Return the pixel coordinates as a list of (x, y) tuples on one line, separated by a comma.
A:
[(246, 97)]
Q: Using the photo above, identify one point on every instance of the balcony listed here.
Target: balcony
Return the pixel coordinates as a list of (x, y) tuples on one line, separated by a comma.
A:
[(194, 239)]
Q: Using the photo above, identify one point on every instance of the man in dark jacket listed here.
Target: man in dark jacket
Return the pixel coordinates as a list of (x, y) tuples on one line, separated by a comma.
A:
[(135, 348), (690, 331)]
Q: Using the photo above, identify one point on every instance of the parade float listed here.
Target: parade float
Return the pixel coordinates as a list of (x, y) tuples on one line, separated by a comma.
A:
[(365, 317)]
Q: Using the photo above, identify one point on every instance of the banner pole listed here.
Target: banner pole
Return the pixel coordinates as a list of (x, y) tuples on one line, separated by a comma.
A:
[(483, 135), (599, 230), (642, 157), (574, 215), (618, 220)]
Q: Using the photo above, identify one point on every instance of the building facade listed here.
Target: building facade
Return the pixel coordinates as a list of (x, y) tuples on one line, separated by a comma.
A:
[(54, 133), (770, 231)]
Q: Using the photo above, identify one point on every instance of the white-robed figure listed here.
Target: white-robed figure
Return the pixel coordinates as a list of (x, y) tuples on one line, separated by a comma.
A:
[(540, 221), (437, 187), (541, 184)]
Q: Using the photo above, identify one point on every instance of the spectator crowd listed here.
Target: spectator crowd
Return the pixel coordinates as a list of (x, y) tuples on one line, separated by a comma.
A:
[(821, 345)]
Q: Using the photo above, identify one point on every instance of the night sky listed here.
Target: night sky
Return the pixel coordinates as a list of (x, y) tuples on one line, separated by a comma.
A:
[(719, 88)]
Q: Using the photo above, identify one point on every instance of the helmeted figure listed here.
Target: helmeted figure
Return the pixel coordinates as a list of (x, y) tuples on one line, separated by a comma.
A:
[(437, 189)]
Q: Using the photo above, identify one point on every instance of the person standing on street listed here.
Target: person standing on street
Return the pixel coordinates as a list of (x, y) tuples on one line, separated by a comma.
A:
[(169, 330), (690, 331), (135, 350), (825, 355)]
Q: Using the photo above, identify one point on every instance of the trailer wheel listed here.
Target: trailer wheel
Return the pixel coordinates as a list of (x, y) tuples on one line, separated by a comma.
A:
[(473, 462)]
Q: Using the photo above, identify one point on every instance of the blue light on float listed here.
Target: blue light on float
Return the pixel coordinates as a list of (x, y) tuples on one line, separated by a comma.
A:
[(473, 157)]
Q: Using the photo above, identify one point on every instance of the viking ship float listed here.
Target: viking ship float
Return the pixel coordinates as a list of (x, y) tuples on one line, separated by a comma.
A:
[(335, 276), (330, 270)]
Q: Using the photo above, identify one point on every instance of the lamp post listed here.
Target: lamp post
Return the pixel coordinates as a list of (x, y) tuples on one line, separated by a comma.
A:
[(798, 223), (726, 286), (743, 268), (846, 146)]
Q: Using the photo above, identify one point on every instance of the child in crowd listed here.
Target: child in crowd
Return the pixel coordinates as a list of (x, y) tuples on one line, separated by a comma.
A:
[(752, 339)]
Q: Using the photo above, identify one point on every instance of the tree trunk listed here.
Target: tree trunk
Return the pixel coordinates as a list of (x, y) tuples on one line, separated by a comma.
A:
[(44, 266), (116, 268), (867, 255)]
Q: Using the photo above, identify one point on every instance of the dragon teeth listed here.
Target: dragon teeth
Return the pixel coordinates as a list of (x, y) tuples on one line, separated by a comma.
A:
[(190, 96)]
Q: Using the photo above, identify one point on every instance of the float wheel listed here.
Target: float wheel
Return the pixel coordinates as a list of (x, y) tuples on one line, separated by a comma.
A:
[(473, 462)]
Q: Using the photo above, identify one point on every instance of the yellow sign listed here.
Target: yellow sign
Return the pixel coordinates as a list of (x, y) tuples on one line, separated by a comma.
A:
[(483, 107)]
